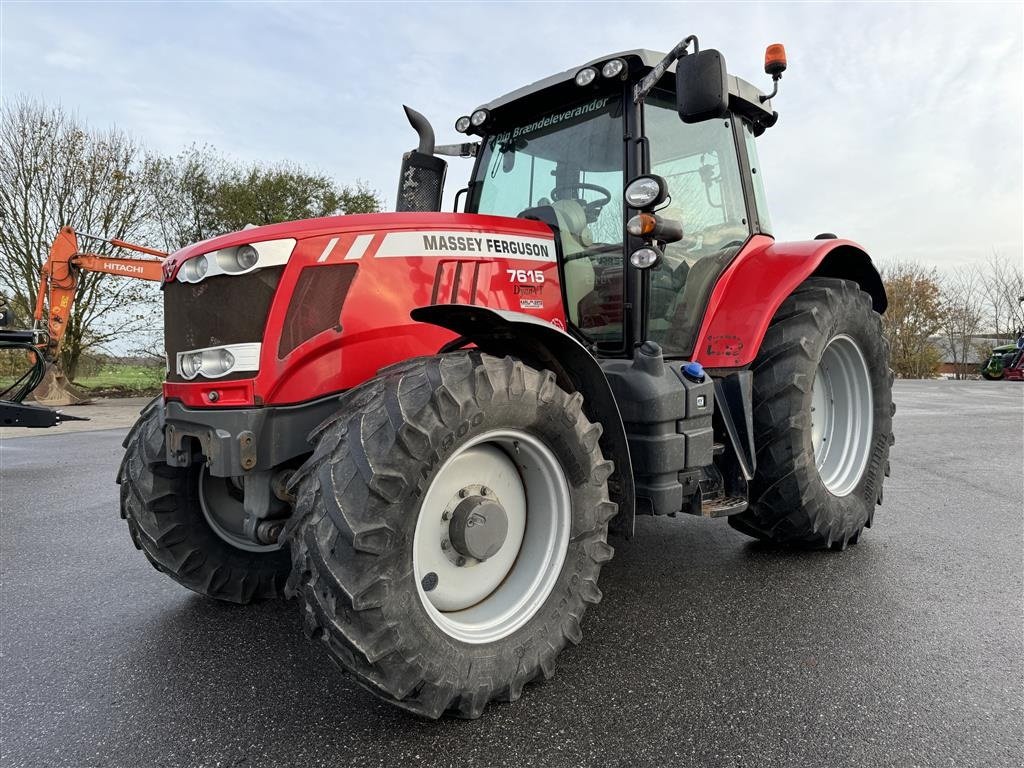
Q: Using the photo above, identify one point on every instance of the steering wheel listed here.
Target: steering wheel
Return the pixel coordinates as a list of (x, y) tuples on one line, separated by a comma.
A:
[(591, 209)]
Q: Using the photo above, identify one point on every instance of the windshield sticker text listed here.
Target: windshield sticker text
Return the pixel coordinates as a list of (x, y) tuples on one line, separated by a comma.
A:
[(552, 119)]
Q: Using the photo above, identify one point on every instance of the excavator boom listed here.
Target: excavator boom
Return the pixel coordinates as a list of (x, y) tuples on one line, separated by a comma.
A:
[(58, 280)]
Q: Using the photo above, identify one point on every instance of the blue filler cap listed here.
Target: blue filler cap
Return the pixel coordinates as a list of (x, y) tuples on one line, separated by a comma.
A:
[(694, 372)]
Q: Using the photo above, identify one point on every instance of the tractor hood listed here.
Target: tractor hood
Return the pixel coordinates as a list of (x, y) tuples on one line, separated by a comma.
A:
[(319, 305), (367, 222)]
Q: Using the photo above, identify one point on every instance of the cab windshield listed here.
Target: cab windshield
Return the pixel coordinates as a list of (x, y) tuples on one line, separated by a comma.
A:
[(570, 163), (566, 167)]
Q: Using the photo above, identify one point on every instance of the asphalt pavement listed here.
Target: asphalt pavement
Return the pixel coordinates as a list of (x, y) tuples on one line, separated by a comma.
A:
[(708, 649)]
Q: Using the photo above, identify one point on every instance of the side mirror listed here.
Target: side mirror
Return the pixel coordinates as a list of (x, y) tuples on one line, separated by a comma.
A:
[(421, 183), (702, 86)]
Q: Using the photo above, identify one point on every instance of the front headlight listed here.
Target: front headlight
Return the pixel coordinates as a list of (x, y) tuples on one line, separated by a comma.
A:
[(234, 261), (479, 117), (194, 270), (214, 362), (646, 257), (585, 76), (189, 363), (613, 68), (646, 192), (237, 260), (246, 256)]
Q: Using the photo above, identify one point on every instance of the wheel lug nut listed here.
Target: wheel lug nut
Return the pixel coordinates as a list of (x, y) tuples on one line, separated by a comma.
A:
[(463, 493), (460, 562), (445, 545)]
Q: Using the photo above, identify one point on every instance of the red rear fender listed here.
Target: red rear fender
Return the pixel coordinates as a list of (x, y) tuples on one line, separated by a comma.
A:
[(759, 279)]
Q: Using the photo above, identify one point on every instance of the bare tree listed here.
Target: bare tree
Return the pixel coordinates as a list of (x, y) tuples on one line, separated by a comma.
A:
[(1002, 287), (56, 172), (963, 313), (913, 317)]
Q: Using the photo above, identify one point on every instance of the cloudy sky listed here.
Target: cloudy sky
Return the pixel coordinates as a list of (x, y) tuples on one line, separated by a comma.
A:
[(901, 123)]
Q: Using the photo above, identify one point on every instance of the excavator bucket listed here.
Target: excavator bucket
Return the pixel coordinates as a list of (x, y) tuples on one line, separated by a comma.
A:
[(55, 390)]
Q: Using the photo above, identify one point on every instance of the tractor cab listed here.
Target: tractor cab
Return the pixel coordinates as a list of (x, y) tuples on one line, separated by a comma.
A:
[(566, 149)]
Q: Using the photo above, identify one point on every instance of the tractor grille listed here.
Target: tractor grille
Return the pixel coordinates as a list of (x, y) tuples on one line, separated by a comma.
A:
[(226, 309)]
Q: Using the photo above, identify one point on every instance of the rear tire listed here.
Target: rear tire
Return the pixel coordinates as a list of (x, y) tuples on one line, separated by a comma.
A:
[(161, 505), (822, 419), (366, 505)]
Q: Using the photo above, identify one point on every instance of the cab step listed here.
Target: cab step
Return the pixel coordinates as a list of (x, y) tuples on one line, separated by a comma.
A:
[(723, 506)]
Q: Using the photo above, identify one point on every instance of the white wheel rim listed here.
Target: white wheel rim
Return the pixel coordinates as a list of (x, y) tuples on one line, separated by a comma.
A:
[(842, 416), (485, 600)]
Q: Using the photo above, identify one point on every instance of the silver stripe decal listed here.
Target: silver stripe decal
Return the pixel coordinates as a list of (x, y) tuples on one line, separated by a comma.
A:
[(328, 249), (359, 246)]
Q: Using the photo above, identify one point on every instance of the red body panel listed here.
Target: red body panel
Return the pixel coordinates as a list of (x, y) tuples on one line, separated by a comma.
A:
[(395, 275), (748, 294)]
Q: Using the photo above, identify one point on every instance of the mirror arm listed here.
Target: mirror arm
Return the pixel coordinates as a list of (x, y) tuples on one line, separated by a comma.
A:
[(641, 89), (467, 149)]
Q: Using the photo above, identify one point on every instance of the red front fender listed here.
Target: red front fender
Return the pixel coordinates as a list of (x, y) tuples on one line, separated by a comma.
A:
[(756, 283)]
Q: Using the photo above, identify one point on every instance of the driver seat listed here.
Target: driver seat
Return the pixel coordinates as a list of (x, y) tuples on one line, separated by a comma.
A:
[(575, 235)]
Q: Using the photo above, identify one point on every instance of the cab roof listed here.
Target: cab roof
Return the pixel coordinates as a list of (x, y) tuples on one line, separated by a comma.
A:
[(744, 97), (645, 58)]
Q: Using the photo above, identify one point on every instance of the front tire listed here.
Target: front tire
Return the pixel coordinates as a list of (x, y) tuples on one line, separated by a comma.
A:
[(822, 419), (167, 521), (387, 582)]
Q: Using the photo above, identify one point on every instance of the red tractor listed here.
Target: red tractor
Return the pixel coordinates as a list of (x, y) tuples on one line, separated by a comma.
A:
[(424, 425)]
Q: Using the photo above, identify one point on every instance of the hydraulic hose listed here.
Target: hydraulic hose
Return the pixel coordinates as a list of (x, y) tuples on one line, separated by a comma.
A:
[(30, 379)]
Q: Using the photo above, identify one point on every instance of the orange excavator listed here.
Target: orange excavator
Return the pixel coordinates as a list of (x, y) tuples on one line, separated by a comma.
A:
[(58, 286)]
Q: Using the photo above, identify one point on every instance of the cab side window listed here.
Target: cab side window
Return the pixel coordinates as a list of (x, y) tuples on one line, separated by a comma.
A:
[(699, 163)]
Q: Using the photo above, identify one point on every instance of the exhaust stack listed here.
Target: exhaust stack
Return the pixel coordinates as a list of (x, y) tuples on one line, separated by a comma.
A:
[(421, 183), (423, 129)]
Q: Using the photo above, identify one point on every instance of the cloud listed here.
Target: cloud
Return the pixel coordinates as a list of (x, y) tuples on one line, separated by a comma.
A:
[(900, 123), (66, 60)]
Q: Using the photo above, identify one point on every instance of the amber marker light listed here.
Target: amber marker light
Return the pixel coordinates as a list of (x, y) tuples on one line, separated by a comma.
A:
[(642, 224), (775, 59)]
